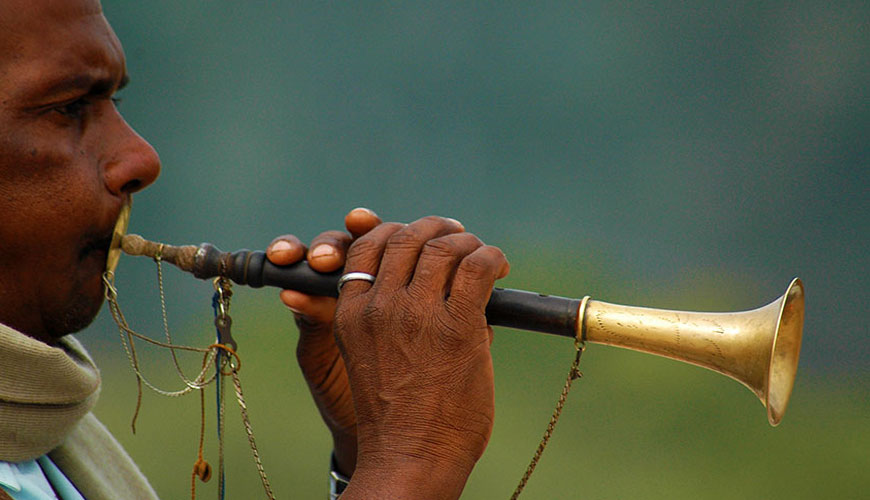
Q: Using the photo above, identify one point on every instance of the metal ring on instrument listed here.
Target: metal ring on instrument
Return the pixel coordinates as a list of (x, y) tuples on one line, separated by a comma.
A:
[(581, 321), (354, 276)]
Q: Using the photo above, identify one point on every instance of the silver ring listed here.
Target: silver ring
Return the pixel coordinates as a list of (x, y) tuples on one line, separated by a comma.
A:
[(354, 276)]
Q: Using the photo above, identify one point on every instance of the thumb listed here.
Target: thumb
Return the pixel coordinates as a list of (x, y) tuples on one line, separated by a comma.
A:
[(310, 309)]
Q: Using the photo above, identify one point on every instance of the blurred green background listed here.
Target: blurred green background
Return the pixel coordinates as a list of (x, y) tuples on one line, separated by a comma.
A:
[(685, 155)]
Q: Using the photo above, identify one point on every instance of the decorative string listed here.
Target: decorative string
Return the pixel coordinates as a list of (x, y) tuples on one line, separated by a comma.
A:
[(250, 431), (158, 258), (573, 375), (220, 306), (222, 490), (127, 335), (227, 364), (231, 367), (201, 468)]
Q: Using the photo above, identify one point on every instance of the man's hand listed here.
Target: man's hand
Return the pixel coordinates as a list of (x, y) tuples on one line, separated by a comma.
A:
[(416, 348), (316, 352)]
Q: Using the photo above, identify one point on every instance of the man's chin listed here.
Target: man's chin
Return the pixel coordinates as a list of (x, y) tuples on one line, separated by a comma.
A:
[(77, 315)]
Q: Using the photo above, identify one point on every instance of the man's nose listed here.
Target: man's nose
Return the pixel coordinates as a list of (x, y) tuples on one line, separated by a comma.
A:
[(133, 165)]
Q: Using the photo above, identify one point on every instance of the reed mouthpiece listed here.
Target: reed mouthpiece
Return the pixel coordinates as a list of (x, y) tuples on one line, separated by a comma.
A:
[(182, 257)]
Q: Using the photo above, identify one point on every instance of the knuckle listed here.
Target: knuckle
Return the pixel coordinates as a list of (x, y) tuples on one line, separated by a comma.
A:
[(376, 311), (482, 264), (471, 241), (411, 323), (476, 266), (493, 252), (372, 242), (362, 248), (433, 222), (407, 237), (440, 247), (451, 245), (489, 256)]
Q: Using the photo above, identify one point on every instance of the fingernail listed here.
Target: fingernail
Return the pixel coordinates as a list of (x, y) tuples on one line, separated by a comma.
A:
[(456, 222), (321, 251), (280, 246)]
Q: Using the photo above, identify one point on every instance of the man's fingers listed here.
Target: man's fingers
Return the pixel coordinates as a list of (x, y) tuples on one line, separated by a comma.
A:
[(328, 251), (314, 309), (364, 255), (285, 250), (476, 275), (404, 247), (438, 260), (360, 221)]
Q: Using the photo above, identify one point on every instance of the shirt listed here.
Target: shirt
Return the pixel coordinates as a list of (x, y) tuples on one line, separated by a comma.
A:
[(34, 479)]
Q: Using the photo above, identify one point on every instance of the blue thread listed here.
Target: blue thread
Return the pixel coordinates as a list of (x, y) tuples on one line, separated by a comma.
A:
[(214, 305)]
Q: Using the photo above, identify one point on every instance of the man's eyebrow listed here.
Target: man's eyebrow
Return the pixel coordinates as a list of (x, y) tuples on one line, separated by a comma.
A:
[(86, 83)]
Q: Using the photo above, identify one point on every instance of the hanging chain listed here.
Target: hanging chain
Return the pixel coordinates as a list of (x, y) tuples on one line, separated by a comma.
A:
[(250, 432), (226, 364), (195, 383), (573, 375), (220, 424), (127, 335), (221, 305), (230, 366)]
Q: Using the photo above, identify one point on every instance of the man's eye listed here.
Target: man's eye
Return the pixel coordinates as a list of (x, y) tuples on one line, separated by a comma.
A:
[(73, 109)]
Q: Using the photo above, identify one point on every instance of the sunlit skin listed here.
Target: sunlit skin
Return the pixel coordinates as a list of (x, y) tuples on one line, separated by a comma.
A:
[(67, 161), (400, 369)]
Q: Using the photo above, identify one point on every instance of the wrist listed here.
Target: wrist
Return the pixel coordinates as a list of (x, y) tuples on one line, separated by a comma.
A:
[(344, 450), (403, 477)]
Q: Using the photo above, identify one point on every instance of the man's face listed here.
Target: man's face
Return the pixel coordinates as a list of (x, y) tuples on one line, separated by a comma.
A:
[(67, 162)]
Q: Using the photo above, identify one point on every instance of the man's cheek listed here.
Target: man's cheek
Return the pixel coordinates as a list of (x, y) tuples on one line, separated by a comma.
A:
[(30, 152)]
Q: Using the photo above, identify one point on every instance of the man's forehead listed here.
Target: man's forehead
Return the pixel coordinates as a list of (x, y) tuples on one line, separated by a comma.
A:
[(21, 10), (23, 19), (56, 39)]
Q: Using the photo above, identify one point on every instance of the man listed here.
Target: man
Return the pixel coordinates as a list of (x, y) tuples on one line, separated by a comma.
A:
[(407, 391)]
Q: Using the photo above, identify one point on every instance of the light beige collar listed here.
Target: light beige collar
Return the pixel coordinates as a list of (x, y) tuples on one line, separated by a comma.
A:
[(44, 392)]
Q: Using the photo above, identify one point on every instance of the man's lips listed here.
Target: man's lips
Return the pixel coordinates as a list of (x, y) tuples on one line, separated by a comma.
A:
[(97, 247), (98, 251)]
